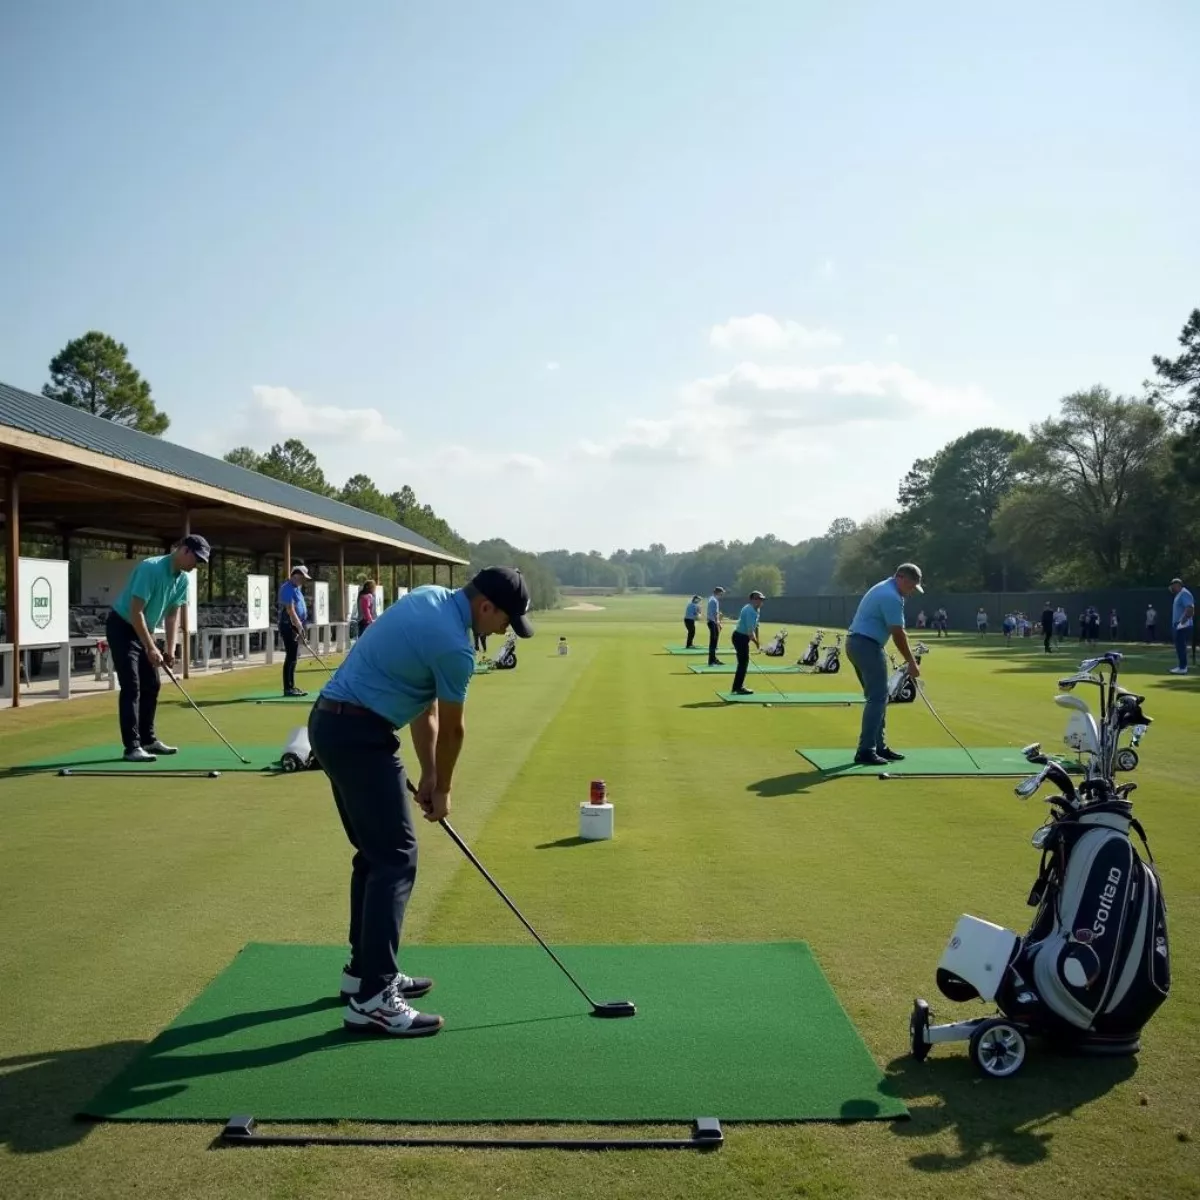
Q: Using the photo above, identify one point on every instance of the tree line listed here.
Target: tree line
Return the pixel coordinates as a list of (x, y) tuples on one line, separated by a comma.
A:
[(1104, 492)]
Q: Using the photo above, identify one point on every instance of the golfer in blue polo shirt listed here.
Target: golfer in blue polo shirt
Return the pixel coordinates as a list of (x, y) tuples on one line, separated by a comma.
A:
[(745, 632), (690, 616), (713, 613), (411, 667), (880, 616), (1183, 618), (154, 595)]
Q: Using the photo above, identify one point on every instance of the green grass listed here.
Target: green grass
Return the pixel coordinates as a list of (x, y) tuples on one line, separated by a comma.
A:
[(121, 904)]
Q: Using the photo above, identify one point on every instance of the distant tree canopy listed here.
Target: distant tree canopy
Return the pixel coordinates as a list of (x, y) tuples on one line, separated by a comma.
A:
[(94, 373)]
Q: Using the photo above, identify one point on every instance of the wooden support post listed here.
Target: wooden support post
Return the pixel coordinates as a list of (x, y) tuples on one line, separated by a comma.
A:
[(13, 551), (451, 574), (342, 587), (410, 573), (183, 616), (395, 584), (378, 570)]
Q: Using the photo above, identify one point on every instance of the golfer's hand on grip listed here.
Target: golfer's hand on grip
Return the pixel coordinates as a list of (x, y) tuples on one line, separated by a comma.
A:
[(154, 654), (913, 669), (437, 806)]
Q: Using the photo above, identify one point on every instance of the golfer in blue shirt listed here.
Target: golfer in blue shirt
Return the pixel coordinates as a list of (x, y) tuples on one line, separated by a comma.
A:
[(713, 613), (690, 614), (155, 594), (880, 616), (1183, 618), (745, 632), (293, 616), (410, 667)]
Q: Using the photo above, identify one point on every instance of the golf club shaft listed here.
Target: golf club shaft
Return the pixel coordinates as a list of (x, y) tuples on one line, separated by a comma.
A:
[(943, 724), (767, 674), (314, 654), (171, 675), (500, 892)]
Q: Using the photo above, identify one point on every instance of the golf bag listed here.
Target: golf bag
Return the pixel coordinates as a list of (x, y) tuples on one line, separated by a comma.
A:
[(902, 688), (831, 664), (775, 647), (506, 660), (810, 656), (1094, 966), (297, 754)]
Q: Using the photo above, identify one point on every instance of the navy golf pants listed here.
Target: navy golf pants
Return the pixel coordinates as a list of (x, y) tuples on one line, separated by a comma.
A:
[(870, 665), (358, 754)]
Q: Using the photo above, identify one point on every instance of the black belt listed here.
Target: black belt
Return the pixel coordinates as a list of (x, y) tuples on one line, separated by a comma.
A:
[(866, 638), (345, 708)]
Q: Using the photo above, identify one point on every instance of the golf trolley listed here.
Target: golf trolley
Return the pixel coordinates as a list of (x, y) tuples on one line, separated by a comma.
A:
[(297, 753), (506, 660), (831, 664), (1097, 744), (1094, 966), (776, 646), (902, 688), (810, 656)]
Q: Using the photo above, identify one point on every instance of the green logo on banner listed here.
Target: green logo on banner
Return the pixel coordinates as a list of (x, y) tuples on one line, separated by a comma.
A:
[(258, 602), (41, 602)]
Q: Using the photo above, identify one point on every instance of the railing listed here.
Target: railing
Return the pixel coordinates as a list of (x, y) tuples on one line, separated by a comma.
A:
[(234, 646)]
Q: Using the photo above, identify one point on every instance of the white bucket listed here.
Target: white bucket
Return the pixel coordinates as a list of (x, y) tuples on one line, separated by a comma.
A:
[(595, 822)]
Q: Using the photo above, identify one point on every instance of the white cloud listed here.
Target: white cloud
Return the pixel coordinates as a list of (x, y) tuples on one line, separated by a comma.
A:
[(763, 332), (891, 340), (779, 410), (827, 270), (288, 413), (552, 366), (456, 459)]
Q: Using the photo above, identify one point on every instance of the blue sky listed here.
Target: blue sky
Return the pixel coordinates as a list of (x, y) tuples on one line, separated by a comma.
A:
[(599, 275)]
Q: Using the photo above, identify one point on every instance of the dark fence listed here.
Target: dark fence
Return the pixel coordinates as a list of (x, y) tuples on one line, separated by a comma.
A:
[(835, 612)]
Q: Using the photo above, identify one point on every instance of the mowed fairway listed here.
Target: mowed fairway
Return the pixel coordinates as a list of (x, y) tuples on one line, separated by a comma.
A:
[(122, 899)]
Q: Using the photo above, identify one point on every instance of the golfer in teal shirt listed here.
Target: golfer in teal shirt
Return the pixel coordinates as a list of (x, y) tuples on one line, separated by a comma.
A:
[(155, 595), (689, 620), (880, 616), (744, 633)]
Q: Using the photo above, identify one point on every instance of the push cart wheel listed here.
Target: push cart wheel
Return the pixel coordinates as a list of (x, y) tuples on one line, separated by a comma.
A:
[(1127, 759), (289, 762), (918, 1026), (998, 1048)]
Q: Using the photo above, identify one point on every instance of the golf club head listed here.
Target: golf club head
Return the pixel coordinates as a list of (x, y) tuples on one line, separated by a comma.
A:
[(614, 1008), (1082, 676), (1033, 752), (1027, 787), (1072, 702)]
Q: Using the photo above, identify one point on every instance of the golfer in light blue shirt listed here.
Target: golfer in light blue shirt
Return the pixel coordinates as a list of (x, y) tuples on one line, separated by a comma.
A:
[(744, 633), (713, 613), (690, 614), (1183, 618), (880, 616)]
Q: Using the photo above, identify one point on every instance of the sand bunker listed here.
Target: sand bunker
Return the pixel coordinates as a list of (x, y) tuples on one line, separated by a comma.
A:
[(585, 608)]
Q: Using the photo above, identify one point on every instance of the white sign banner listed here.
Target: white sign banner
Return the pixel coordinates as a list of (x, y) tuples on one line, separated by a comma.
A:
[(401, 593), (258, 602), (43, 615), (320, 608), (352, 590), (193, 604), (380, 599)]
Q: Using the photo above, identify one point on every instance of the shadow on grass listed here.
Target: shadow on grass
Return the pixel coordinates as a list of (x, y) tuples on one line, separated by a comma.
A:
[(566, 841), (42, 1095), (707, 704), (795, 784), (1009, 1120)]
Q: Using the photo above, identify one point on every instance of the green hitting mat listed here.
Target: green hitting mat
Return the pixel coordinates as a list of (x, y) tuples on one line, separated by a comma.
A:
[(991, 760), (744, 1032), (783, 698), (728, 668), (684, 649), (107, 760)]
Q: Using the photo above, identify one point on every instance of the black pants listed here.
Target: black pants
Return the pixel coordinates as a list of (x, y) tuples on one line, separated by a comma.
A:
[(1151, 630), (741, 644), (690, 626), (1047, 634), (714, 636), (138, 701), (291, 651), (358, 754)]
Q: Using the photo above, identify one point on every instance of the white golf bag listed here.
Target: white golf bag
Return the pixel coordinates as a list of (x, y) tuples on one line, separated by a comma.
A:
[(1095, 964), (506, 660), (831, 664), (775, 647), (297, 754), (902, 688), (810, 656)]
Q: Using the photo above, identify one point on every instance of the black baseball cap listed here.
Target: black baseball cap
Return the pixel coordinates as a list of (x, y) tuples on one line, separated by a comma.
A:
[(197, 545), (507, 590)]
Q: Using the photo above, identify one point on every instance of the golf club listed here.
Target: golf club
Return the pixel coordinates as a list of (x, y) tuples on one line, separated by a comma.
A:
[(921, 693), (315, 655), (182, 774), (767, 674), (610, 1008), (171, 675)]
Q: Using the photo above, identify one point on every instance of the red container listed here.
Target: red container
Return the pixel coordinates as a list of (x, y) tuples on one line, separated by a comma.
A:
[(599, 791)]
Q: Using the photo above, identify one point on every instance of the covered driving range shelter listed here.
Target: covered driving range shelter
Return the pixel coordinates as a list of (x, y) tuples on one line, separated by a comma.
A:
[(70, 475)]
